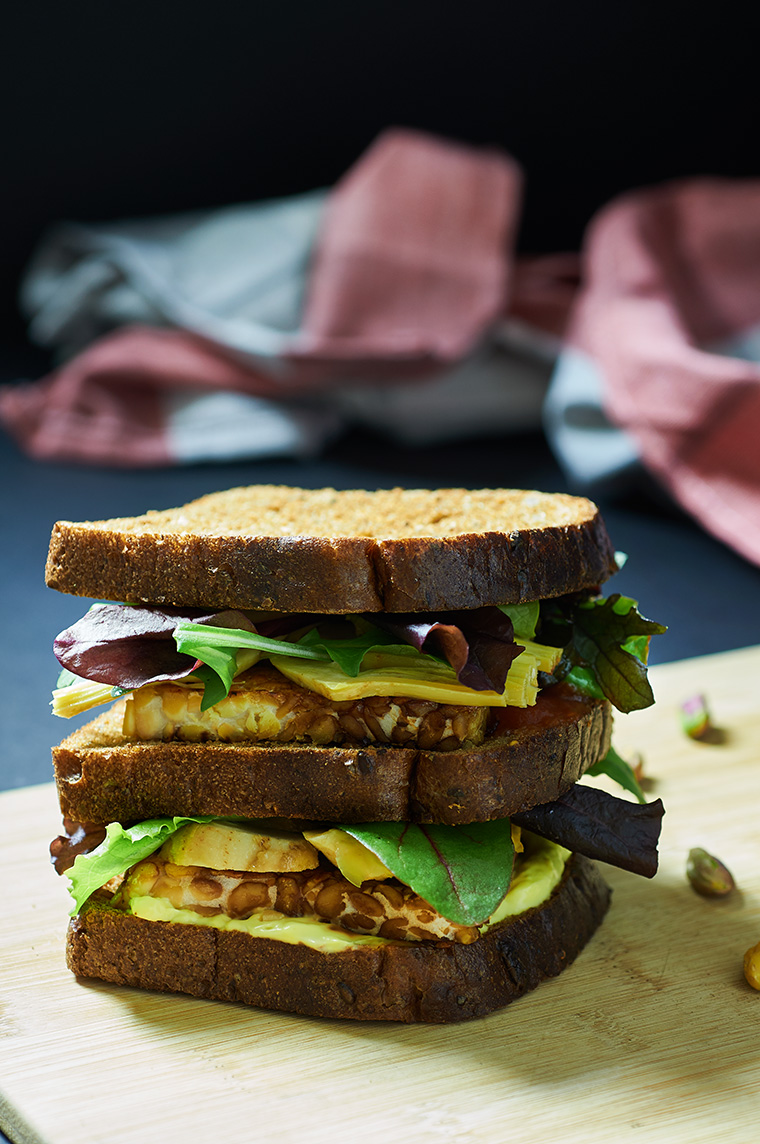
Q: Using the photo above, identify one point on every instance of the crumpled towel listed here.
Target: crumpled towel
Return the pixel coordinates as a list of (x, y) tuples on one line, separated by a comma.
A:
[(662, 357)]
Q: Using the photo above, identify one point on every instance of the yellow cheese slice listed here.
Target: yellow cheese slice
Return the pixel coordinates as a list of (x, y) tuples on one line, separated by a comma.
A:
[(421, 677)]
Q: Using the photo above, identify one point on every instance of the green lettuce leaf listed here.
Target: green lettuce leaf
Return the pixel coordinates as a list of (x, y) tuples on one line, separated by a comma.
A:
[(119, 850), (619, 771), (463, 871)]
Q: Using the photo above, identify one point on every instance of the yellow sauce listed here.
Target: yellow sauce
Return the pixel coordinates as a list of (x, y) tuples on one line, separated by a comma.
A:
[(534, 881), (295, 931)]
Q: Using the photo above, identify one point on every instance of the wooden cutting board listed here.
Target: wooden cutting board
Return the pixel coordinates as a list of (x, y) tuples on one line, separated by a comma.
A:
[(651, 1035)]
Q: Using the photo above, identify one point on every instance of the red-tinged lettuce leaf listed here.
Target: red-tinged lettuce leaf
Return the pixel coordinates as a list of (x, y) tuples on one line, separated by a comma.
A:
[(594, 823), (601, 630), (127, 646), (605, 646), (478, 644), (463, 871)]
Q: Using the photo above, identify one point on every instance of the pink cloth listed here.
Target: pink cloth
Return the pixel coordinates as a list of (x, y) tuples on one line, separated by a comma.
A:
[(672, 275), (105, 405), (412, 261)]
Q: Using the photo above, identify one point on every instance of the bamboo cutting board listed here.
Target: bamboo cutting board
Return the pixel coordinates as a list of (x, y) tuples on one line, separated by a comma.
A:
[(651, 1035)]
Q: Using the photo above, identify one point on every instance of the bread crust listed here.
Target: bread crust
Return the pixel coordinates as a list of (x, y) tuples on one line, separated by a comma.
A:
[(405, 981), (342, 552), (102, 777)]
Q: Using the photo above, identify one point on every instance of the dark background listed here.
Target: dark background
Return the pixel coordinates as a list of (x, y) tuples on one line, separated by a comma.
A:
[(126, 109)]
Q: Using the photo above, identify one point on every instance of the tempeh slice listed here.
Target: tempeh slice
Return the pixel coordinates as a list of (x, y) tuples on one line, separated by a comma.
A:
[(389, 909), (264, 706)]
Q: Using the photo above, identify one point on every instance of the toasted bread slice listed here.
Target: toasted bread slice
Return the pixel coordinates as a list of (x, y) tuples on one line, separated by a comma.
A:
[(103, 776), (283, 549), (395, 981)]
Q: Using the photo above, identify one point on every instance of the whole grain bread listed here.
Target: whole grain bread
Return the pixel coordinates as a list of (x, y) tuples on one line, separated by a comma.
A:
[(402, 981), (321, 550), (103, 777)]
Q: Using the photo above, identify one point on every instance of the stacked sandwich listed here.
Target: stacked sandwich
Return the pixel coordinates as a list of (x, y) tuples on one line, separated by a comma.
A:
[(338, 773)]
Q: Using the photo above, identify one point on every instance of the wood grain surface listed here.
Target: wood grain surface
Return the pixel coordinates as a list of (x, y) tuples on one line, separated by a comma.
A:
[(651, 1035)]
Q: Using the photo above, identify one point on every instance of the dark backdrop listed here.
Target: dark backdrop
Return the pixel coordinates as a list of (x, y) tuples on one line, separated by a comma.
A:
[(115, 109)]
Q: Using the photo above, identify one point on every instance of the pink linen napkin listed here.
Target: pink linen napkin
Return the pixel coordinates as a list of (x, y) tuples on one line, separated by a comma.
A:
[(670, 314), (413, 258), (105, 406)]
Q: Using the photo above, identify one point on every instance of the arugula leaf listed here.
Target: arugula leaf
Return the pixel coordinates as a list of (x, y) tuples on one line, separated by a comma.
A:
[(217, 648), (349, 653), (524, 618), (463, 871), (216, 684), (619, 771), (190, 637), (119, 850), (609, 638)]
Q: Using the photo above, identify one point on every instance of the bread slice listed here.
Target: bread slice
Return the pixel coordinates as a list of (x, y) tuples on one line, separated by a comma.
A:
[(284, 549), (103, 777), (401, 981)]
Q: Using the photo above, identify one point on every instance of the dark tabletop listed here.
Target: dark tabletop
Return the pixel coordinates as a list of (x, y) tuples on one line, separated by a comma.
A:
[(709, 597)]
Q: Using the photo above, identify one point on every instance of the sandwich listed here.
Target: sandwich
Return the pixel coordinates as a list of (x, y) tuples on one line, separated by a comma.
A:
[(337, 767)]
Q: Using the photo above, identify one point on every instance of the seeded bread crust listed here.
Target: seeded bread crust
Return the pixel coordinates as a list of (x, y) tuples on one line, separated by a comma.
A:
[(103, 778), (283, 549), (432, 982)]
